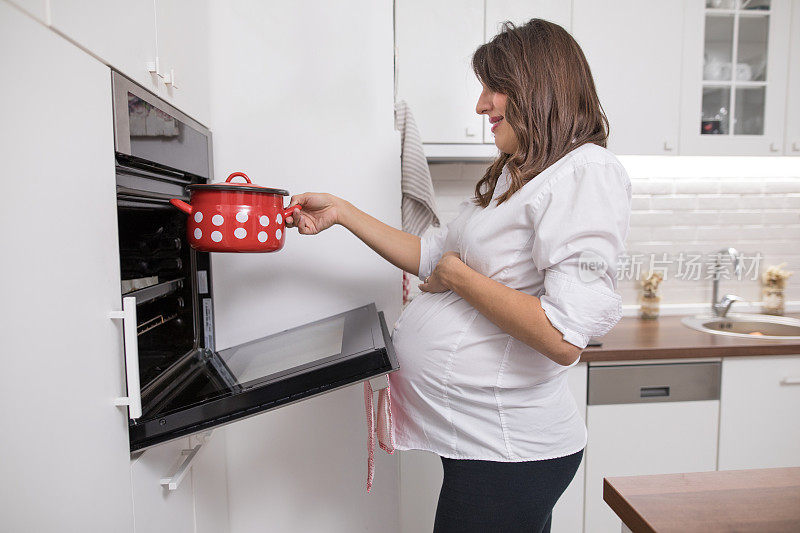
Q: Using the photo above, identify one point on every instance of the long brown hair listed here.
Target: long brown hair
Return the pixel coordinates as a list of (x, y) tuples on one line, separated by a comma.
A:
[(552, 104)]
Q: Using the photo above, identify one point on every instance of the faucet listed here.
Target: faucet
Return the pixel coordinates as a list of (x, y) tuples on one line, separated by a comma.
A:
[(720, 308)]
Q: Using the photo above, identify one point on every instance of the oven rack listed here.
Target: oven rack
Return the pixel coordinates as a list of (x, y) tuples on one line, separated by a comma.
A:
[(154, 292)]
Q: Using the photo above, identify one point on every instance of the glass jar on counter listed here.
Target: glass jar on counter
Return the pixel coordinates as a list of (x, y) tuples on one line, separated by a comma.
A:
[(649, 304), (772, 300)]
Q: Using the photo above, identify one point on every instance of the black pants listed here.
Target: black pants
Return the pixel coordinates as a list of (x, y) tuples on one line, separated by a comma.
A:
[(494, 496)]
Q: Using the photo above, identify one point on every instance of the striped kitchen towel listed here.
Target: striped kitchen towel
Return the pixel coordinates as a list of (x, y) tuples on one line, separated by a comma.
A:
[(419, 202), (418, 208)]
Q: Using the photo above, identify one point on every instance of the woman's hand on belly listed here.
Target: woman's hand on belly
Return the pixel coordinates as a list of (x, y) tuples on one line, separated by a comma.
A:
[(440, 278), (518, 314)]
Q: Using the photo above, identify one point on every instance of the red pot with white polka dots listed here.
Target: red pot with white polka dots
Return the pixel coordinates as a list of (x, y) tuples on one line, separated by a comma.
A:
[(235, 216)]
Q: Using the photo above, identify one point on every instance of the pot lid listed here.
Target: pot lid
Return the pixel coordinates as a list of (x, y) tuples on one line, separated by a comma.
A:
[(228, 185)]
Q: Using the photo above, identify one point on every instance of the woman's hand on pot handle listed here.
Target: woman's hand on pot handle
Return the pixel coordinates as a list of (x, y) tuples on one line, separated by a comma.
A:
[(320, 212)]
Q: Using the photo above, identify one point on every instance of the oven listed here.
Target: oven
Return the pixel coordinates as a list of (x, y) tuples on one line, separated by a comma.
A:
[(178, 382)]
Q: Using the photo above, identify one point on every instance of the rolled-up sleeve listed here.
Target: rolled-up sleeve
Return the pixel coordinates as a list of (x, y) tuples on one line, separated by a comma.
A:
[(435, 241), (581, 221)]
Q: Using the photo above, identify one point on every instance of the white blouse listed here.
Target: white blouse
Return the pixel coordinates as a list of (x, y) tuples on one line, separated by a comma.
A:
[(465, 388)]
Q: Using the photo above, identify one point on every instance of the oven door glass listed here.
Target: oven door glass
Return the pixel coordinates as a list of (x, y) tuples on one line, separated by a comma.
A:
[(208, 388)]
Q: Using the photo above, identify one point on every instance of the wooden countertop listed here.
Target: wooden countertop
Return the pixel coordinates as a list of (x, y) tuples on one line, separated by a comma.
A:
[(736, 500), (634, 338)]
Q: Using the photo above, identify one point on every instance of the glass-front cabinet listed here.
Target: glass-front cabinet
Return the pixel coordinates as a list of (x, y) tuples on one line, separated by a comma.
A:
[(791, 144), (735, 75)]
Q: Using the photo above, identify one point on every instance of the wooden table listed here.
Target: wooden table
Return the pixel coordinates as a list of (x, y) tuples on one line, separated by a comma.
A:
[(765, 500)]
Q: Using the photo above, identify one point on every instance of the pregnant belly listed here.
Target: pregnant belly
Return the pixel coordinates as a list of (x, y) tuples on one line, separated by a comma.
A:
[(441, 340)]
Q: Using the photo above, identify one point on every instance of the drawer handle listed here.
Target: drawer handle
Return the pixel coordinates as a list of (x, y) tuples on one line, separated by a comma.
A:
[(654, 392), (790, 381)]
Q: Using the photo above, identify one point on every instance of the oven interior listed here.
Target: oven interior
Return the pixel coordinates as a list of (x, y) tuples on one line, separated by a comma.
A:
[(156, 266)]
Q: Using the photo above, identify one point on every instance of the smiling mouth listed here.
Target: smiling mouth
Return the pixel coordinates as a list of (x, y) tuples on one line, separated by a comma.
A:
[(495, 121)]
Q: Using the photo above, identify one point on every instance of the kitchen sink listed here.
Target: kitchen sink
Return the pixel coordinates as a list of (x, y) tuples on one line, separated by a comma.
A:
[(746, 325)]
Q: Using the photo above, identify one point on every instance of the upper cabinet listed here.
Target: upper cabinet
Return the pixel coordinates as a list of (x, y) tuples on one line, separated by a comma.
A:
[(690, 77), (434, 45), (182, 28), (791, 145), (35, 8), (633, 48), (736, 57), (120, 33), (161, 45)]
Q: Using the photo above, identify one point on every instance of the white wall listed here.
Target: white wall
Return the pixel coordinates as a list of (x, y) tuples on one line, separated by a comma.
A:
[(302, 99), (684, 204)]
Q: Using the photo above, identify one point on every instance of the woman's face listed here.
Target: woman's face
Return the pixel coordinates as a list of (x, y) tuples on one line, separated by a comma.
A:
[(493, 105)]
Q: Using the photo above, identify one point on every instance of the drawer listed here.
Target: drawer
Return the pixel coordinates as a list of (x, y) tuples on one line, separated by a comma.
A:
[(157, 509), (653, 383)]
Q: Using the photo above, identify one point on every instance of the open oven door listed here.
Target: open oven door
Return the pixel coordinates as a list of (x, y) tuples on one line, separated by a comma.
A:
[(209, 388)]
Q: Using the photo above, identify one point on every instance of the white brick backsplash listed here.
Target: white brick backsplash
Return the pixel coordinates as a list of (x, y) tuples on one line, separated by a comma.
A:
[(652, 186), (739, 217), (673, 233), (640, 202), (682, 202), (765, 201), (687, 186), (722, 201), (697, 218), (741, 186), (640, 233), (774, 185), (717, 233), (791, 201), (651, 218), (681, 215), (789, 216), (752, 232)]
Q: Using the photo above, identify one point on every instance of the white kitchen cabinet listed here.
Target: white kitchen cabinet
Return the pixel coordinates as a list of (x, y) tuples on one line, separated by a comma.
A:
[(121, 33), (633, 49), (35, 8), (568, 512), (182, 28), (157, 509), (519, 12), (167, 36), (735, 62), (200, 502), (759, 420), (792, 138), (649, 435), (434, 42), (64, 444)]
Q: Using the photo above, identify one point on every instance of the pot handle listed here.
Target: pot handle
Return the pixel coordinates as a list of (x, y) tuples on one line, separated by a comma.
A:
[(183, 206), (240, 175), (290, 210)]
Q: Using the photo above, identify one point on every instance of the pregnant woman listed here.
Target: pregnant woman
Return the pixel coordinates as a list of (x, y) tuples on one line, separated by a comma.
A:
[(513, 288)]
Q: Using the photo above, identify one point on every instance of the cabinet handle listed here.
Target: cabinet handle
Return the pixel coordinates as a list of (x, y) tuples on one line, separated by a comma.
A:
[(795, 147), (128, 316), (667, 147), (468, 132), (654, 392), (790, 381), (154, 67), (170, 79), (174, 481), (773, 148)]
